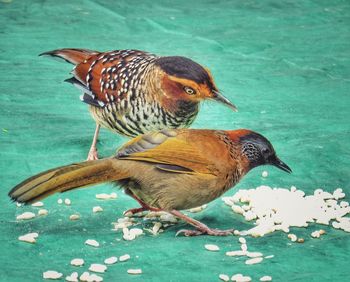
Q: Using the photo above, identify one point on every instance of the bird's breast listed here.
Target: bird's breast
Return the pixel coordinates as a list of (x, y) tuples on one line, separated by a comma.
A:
[(136, 115)]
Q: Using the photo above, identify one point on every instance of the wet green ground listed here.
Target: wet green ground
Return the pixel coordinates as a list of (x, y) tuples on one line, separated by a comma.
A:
[(285, 64)]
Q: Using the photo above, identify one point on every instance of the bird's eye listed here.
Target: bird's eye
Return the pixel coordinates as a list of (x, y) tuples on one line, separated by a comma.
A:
[(189, 90), (265, 151)]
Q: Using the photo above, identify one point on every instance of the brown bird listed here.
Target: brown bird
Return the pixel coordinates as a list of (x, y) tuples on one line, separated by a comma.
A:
[(169, 170), (132, 92)]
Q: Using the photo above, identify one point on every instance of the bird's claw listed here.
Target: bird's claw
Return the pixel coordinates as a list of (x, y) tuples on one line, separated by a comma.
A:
[(210, 232), (132, 212), (188, 233), (93, 155)]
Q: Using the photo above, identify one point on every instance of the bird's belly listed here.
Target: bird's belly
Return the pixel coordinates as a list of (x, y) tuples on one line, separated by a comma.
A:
[(131, 122), (168, 191)]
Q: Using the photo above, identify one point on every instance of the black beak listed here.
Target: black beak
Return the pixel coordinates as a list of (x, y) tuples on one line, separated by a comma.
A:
[(217, 96), (281, 165)]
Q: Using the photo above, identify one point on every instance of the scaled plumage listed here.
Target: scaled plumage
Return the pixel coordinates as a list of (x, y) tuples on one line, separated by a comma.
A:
[(133, 92)]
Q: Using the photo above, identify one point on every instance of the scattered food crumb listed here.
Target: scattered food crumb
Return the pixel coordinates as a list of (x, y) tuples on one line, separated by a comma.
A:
[(67, 201), (127, 235), (198, 209), (155, 229), (74, 217), (244, 247), (92, 242), (85, 276), (135, 271), (59, 201), (124, 257), (300, 240), (95, 278), (73, 277), (236, 253), (254, 254), (242, 240), (254, 260), (29, 238), (236, 276), (122, 223), (212, 248), (38, 204), (77, 262), (25, 216), (315, 234), (168, 217), (266, 278), (104, 196), (338, 194), (237, 209), (132, 233), (240, 278), (97, 209), (51, 274), (265, 174), (111, 260), (224, 277), (96, 267), (136, 231), (43, 212), (292, 237), (244, 279), (269, 256)]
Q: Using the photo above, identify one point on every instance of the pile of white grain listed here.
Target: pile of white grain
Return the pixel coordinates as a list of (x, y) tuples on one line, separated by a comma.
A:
[(275, 209)]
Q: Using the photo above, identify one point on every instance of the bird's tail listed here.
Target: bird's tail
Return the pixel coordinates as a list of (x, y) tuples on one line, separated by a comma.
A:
[(64, 178), (71, 55)]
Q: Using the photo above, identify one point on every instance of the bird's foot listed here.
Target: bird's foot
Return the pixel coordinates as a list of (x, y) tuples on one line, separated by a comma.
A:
[(144, 207), (134, 211), (206, 231), (93, 155), (202, 229)]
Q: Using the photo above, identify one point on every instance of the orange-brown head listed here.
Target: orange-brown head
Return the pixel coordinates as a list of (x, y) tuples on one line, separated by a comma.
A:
[(184, 80), (257, 149)]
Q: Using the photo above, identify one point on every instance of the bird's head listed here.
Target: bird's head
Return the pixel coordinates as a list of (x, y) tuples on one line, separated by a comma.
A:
[(258, 150), (185, 80)]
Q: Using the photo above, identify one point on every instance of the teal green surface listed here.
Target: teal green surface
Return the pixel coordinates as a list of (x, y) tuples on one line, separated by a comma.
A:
[(285, 64)]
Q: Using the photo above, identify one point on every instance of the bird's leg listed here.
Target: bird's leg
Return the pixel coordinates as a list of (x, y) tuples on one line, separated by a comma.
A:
[(144, 206), (202, 229), (93, 150)]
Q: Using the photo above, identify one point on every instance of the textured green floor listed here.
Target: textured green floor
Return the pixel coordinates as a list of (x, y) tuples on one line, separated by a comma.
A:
[(285, 64)]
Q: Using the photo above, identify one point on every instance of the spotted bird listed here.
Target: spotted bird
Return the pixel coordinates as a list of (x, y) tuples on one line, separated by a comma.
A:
[(133, 92)]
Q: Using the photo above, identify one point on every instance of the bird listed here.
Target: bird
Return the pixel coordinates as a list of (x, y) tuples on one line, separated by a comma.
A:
[(168, 170), (133, 92)]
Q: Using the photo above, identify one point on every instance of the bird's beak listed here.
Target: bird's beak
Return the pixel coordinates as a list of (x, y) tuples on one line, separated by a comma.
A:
[(281, 165), (217, 96)]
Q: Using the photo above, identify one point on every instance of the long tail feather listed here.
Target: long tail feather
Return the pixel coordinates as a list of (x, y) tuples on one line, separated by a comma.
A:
[(71, 55), (66, 178)]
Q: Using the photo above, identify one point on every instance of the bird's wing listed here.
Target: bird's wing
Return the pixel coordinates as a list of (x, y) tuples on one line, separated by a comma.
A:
[(170, 151), (104, 78)]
